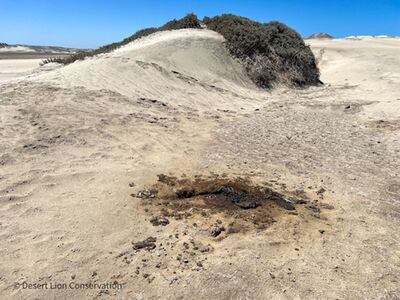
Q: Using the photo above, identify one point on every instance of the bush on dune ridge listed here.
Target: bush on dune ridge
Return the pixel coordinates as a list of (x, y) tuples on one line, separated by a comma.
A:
[(271, 52)]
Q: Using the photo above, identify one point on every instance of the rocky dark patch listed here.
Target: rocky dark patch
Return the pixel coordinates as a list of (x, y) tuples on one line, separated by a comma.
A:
[(238, 197), (216, 231), (282, 201), (243, 204), (168, 180), (159, 221), (147, 244)]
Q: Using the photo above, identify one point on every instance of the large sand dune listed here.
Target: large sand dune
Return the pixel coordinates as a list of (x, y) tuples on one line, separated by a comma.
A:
[(176, 66), (78, 141)]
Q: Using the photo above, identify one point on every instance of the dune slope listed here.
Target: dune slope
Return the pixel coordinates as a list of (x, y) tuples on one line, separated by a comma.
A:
[(164, 65)]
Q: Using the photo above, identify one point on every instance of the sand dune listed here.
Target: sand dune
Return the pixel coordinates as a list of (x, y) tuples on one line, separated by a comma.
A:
[(174, 66), (20, 49), (16, 49), (82, 145)]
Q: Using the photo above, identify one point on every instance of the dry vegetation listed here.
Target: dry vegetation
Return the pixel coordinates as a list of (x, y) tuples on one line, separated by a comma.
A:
[(272, 51)]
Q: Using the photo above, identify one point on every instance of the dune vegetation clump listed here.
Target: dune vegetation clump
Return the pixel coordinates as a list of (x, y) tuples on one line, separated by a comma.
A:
[(272, 52), (189, 21)]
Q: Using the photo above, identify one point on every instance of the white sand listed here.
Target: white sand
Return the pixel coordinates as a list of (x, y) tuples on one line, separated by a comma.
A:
[(14, 68), (371, 64), (146, 68), (77, 141)]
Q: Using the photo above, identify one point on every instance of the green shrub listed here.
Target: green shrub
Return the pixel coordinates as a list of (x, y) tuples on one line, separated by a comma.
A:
[(272, 52), (189, 21)]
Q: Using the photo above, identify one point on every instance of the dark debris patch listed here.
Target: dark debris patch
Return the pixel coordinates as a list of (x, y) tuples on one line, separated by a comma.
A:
[(243, 204), (147, 244), (159, 221), (245, 197)]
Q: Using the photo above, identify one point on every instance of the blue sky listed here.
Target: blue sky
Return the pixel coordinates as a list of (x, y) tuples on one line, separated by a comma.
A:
[(92, 23)]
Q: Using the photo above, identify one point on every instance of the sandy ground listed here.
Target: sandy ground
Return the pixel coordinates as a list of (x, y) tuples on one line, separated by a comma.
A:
[(81, 148), (20, 61), (14, 68)]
